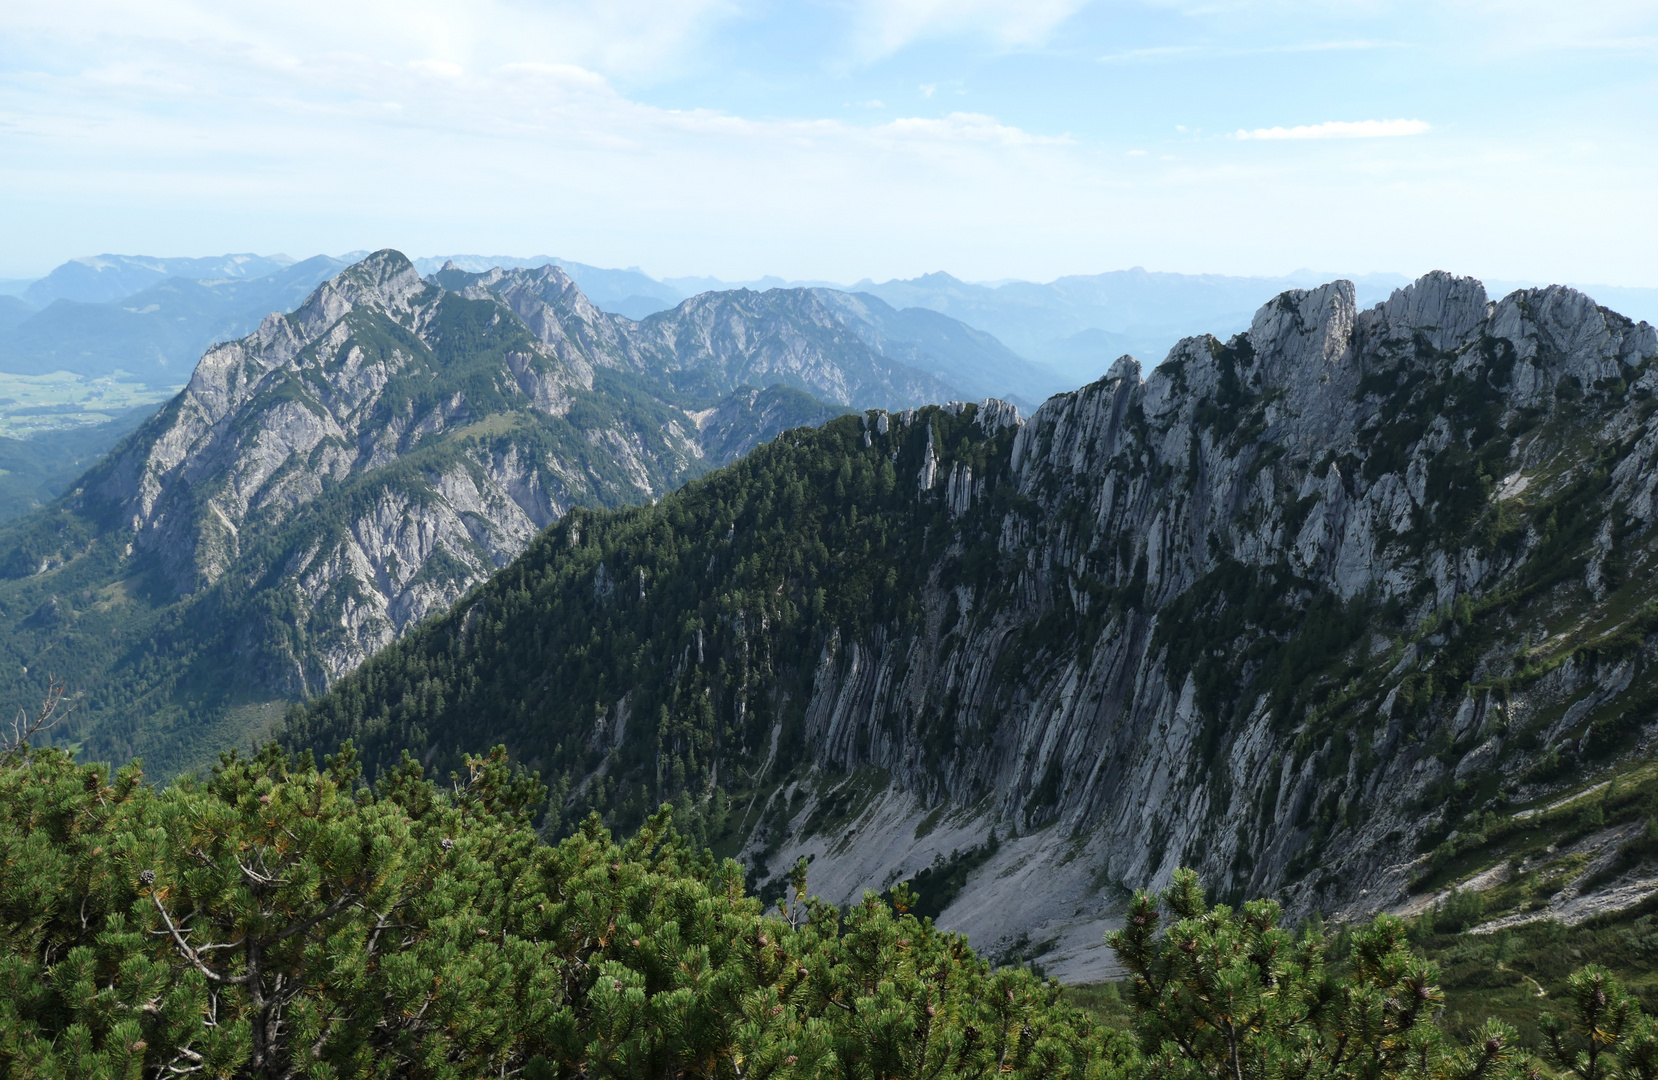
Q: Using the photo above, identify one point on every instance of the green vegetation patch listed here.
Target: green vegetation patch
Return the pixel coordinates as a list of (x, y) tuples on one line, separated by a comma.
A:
[(276, 919)]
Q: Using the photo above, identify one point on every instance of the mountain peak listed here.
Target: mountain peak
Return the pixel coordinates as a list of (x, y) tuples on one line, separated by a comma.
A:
[(385, 279), (1441, 306), (1303, 332), (376, 270)]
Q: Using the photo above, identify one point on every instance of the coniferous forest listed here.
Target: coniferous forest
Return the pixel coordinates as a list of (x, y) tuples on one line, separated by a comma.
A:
[(281, 919)]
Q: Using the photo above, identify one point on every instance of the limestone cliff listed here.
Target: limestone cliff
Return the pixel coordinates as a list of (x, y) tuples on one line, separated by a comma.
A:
[(1344, 583)]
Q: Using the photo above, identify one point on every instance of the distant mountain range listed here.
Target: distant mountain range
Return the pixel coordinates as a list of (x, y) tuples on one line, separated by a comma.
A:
[(159, 328), (152, 316), (1074, 326), (157, 331), (98, 278)]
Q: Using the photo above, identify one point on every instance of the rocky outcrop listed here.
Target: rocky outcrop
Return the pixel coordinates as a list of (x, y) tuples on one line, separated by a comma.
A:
[(1288, 583), (353, 381), (1313, 610)]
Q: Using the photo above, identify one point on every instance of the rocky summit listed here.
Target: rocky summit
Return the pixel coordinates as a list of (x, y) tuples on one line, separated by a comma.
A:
[(356, 466), (1350, 610)]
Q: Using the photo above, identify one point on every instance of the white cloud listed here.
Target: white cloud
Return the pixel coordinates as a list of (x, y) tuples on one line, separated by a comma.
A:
[(635, 39), (967, 127), (223, 141), (189, 126), (883, 27), (1179, 52), (1339, 129)]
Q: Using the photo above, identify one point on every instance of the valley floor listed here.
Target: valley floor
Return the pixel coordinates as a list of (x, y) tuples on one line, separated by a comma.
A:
[(33, 404)]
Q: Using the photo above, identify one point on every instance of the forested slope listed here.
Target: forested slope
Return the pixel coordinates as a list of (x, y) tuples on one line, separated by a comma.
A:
[(706, 611)]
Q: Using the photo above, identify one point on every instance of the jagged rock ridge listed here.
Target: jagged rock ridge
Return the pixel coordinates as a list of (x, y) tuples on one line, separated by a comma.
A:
[(1292, 609)]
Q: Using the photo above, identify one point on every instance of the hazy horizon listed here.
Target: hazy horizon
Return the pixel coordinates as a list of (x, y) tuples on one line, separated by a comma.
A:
[(736, 138), (1299, 274)]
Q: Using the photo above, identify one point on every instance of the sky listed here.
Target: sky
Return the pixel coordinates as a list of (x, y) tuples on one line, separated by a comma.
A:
[(842, 139)]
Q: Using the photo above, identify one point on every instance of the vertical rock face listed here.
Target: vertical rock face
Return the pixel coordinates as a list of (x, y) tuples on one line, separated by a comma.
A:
[(268, 423), (1291, 609), (377, 367), (1267, 542), (357, 465)]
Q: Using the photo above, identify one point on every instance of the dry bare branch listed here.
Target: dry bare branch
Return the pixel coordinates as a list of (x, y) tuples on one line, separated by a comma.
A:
[(54, 710)]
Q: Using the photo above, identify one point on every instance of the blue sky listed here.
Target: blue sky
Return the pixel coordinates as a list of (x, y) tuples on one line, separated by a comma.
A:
[(839, 140)]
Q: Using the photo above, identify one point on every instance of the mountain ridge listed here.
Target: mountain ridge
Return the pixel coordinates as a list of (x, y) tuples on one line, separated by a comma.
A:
[(1317, 610), (99, 278)]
